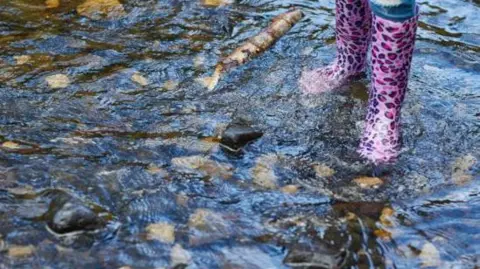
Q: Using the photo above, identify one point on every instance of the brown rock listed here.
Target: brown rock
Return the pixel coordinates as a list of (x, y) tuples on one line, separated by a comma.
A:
[(216, 3), (291, 189), (263, 173), (100, 9), (323, 170), (20, 251), (52, 3), (22, 59), (10, 145), (386, 217), (368, 182), (204, 166)]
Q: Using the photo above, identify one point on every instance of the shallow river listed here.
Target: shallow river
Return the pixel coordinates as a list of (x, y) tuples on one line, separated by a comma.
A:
[(104, 117)]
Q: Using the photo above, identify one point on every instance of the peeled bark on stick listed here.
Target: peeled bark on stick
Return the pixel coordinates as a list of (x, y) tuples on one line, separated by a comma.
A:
[(255, 46)]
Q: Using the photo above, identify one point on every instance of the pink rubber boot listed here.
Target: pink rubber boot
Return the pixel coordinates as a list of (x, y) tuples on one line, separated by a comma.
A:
[(392, 48), (353, 23)]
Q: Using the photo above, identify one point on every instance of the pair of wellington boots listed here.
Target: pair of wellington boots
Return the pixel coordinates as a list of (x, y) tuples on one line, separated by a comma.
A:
[(391, 44)]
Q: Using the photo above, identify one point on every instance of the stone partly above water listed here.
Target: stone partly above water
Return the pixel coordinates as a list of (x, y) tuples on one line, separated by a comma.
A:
[(69, 215), (237, 136)]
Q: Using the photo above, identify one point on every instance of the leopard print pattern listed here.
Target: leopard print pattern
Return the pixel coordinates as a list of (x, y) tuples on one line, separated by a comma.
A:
[(392, 48), (353, 24)]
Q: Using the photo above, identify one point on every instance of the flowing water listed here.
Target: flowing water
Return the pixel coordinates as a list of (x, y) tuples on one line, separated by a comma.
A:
[(102, 111)]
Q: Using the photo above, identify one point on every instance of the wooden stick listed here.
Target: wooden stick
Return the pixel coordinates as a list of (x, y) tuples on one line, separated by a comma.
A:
[(254, 46)]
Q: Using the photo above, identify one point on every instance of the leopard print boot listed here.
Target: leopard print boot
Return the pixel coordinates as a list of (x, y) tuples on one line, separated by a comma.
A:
[(353, 23), (392, 48)]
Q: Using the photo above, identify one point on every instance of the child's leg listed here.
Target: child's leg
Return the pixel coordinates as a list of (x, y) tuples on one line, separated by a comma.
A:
[(393, 37), (353, 23)]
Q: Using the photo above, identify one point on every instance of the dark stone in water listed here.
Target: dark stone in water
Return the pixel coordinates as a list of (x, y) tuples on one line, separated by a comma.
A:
[(237, 136), (319, 258), (69, 215)]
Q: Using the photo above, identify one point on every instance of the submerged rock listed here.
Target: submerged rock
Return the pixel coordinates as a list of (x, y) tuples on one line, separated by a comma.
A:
[(57, 81), (52, 3), (323, 170), (20, 251), (100, 9), (22, 59), (10, 145), (368, 182), (138, 78), (320, 257), (69, 215), (461, 168), (216, 3), (163, 232), (263, 172), (290, 189), (203, 166), (170, 85), (430, 256), (237, 136), (179, 256), (206, 226)]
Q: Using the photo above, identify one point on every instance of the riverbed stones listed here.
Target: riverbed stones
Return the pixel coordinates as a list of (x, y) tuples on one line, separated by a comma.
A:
[(20, 251), (461, 168), (58, 81), (237, 136), (22, 59), (290, 189), (179, 256), (70, 215), (263, 172), (318, 257), (216, 3), (203, 166), (52, 3), (322, 170), (368, 182), (170, 85), (101, 9), (206, 226), (140, 79), (10, 145), (162, 231), (430, 256)]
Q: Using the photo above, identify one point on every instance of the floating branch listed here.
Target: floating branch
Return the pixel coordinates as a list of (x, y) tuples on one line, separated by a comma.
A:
[(255, 46)]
